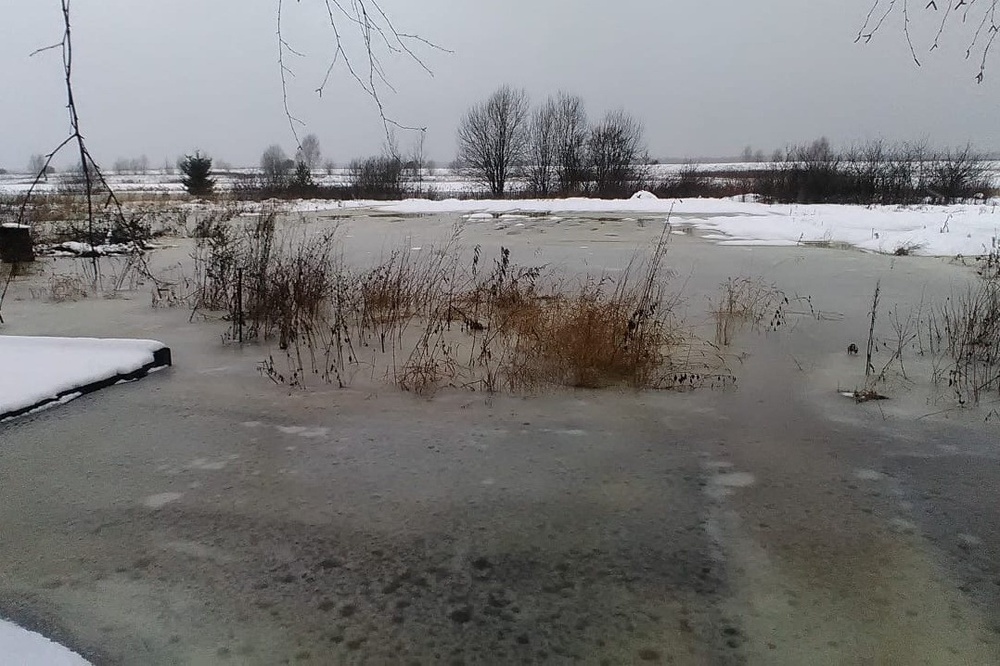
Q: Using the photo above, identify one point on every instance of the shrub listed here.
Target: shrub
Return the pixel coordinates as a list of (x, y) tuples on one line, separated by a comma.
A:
[(379, 177), (958, 174), (971, 326)]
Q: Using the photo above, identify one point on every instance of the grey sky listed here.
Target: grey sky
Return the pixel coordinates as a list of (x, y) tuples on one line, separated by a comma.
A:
[(707, 78)]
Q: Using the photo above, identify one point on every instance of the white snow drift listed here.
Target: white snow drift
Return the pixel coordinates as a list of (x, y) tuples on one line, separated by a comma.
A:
[(37, 370)]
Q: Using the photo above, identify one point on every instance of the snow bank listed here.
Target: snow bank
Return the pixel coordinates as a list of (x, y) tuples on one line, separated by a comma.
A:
[(638, 204), (38, 372), (20, 646), (966, 229), (941, 231)]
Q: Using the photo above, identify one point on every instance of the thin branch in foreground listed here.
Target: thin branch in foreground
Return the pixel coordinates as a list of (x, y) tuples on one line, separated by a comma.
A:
[(92, 174), (979, 15), (378, 36)]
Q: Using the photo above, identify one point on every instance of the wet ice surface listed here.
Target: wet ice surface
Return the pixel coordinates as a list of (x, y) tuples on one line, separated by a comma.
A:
[(216, 517)]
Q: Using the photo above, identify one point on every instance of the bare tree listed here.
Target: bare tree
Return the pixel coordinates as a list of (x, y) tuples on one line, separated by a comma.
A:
[(309, 152), (378, 177), (617, 155), (571, 143), (417, 161), (493, 137), (977, 20), (543, 149), (274, 166), (38, 166)]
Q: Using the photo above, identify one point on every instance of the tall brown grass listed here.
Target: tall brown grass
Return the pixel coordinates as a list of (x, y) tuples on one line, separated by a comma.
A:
[(427, 319)]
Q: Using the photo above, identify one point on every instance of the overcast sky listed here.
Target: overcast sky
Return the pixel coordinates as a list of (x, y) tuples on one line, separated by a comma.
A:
[(707, 78)]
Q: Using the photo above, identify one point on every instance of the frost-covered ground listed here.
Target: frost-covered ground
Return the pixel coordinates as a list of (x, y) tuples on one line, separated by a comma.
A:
[(22, 647), (40, 371)]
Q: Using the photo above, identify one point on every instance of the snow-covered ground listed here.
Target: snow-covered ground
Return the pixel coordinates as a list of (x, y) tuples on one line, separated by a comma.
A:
[(946, 231), (20, 647), (964, 229), (39, 372)]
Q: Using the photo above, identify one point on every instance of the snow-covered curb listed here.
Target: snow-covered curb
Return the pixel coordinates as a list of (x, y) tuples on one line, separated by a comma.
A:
[(39, 372), (20, 646)]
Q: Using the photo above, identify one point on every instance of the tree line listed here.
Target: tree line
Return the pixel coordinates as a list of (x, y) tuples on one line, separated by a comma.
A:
[(552, 149)]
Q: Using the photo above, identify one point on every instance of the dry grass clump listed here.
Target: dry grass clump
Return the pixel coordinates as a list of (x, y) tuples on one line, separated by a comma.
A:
[(65, 287), (747, 303), (989, 264), (603, 333), (422, 319), (267, 285), (970, 324), (961, 336)]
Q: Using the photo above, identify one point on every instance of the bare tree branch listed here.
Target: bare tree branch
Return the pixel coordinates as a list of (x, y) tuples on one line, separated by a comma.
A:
[(956, 16), (92, 174), (378, 38)]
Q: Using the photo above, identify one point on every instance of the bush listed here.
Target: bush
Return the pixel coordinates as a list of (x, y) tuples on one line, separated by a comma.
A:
[(253, 187), (197, 170), (959, 174), (874, 173), (379, 177)]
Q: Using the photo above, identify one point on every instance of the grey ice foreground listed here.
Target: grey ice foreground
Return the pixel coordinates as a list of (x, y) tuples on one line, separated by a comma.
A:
[(40, 372)]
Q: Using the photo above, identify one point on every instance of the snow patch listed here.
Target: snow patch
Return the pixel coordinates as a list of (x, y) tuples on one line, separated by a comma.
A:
[(49, 369), (735, 480), (868, 474), (20, 646), (303, 431), (968, 229), (161, 500)]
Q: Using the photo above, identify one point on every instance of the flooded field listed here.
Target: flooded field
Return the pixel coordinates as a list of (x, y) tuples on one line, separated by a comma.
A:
[(208, 515)]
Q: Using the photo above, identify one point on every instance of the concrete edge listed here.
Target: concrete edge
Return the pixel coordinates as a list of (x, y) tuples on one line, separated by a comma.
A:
[(161, 359)]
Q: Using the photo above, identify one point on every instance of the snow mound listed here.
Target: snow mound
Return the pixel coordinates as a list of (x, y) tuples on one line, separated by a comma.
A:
[(643, 194), (39, 372), (20, 646)]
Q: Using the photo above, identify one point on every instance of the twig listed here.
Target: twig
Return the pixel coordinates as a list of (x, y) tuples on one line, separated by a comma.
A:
[(377, 32)]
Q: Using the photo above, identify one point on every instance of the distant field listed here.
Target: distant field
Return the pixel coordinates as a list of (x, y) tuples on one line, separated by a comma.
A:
[(440, 182)]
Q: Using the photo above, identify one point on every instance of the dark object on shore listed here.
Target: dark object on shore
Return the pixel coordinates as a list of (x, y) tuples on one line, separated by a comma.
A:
[(852, 349), (15, 243)]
